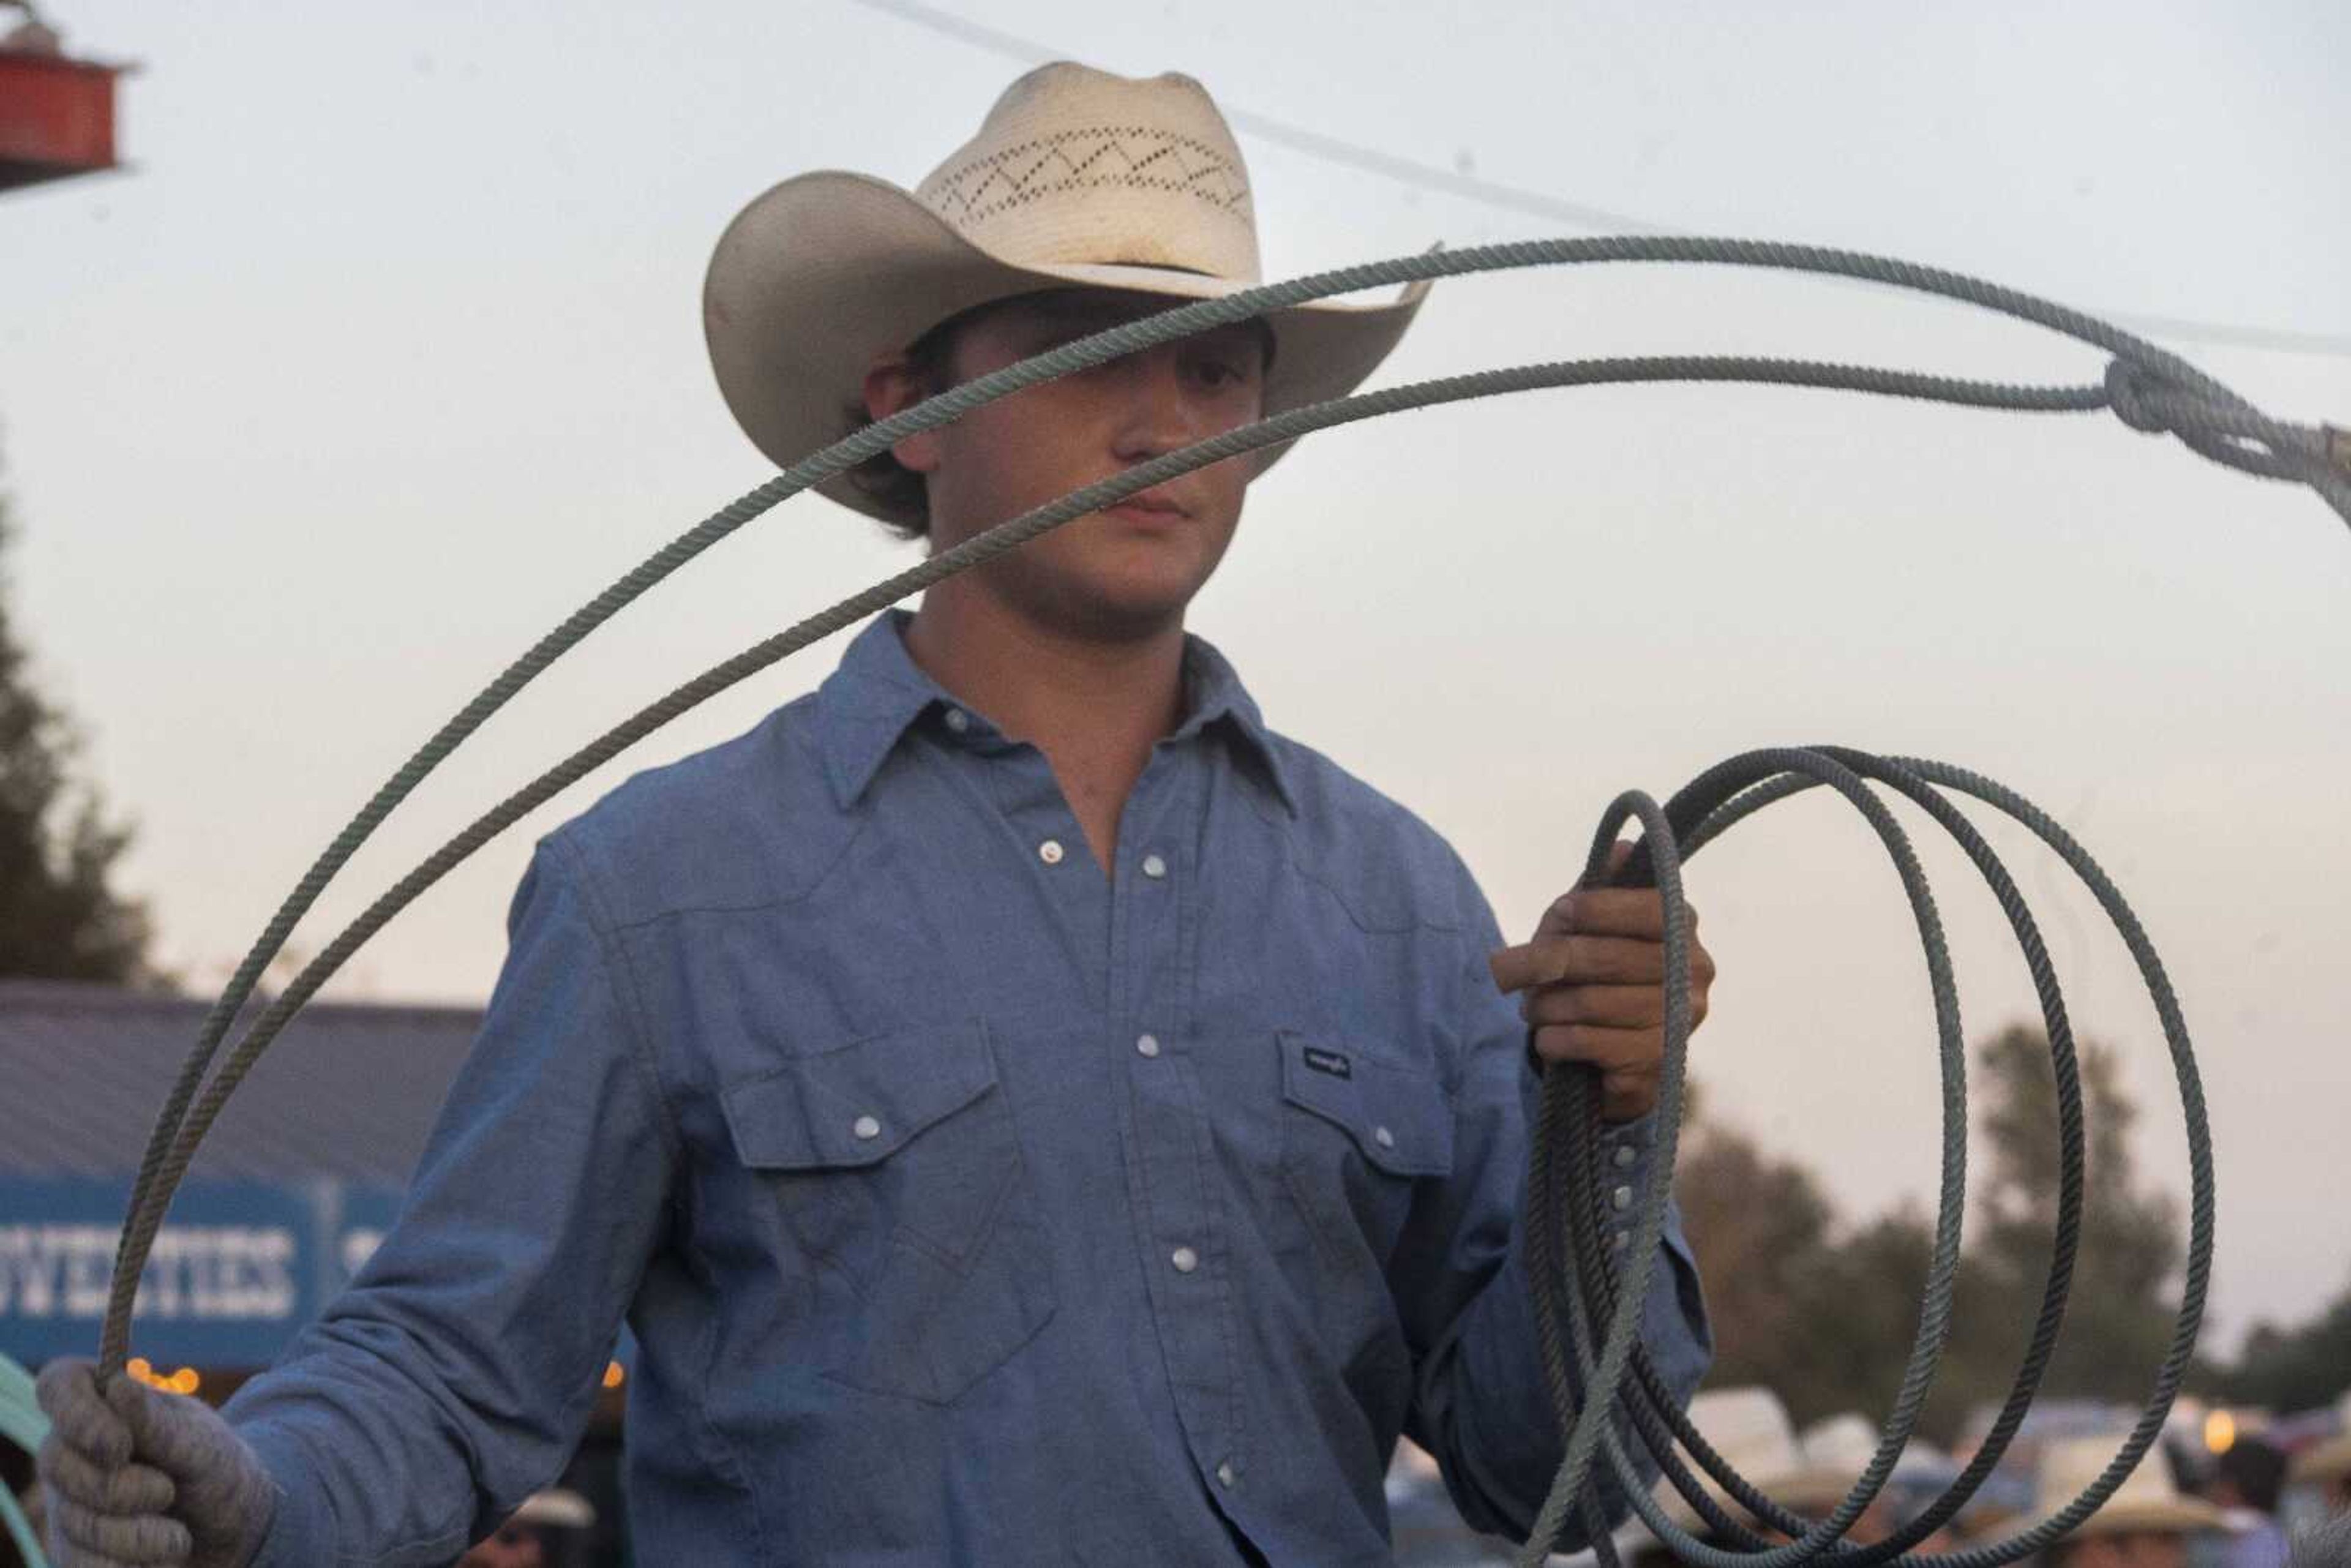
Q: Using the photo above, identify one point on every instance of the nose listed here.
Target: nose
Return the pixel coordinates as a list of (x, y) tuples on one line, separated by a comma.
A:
[(1157, 415)]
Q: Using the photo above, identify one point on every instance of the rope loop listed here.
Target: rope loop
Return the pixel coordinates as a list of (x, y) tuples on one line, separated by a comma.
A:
[(2125, 394)]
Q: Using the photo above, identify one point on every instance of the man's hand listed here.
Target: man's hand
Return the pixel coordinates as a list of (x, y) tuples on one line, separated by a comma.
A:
[(136, 1475), (1594, 979)]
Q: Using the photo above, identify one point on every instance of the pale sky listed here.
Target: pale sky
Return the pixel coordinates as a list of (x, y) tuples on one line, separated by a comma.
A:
[(388, 354)]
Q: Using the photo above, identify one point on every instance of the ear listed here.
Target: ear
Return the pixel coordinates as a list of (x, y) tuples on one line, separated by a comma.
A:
[(892, 386)]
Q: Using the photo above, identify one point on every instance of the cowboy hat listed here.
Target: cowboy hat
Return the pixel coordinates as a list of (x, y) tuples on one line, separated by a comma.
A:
[(2146, 1502), (1076, 178), (556, 1507), (1749, 1427)]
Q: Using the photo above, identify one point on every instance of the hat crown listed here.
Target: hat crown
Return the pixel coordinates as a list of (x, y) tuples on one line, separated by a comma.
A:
[(2146, 1500), (2068, 1465), (1749, 1427), (1075, 166)]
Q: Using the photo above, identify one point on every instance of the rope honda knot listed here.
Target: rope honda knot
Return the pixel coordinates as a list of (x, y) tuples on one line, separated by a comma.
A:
[(2127, 386)]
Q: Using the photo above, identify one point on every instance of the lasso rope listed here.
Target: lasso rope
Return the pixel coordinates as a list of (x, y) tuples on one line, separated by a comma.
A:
[(2149, 389)]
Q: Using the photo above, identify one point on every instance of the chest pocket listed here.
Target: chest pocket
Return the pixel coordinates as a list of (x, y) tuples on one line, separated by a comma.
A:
[(1357, 1133), (894, 1162)]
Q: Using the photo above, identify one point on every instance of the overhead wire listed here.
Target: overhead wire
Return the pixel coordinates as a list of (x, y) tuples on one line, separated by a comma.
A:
[(1551, 208)]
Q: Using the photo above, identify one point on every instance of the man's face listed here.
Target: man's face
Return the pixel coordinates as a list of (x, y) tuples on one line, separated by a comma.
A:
[(2129, 1548), (1116, 574)]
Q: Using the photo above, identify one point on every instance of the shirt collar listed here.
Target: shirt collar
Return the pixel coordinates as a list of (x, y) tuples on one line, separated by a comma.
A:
[(879, 691)]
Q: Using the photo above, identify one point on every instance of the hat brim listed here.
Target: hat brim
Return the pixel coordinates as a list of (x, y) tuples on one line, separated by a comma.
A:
[(2151, 1515), (826, 270), (1814, 1490), (555, 1508)]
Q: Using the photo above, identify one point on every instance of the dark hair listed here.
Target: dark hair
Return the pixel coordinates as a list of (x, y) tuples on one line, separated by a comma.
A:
[(2256, 1470), (889, 483)]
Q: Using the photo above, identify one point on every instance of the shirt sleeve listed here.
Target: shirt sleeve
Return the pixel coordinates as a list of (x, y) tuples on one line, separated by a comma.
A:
[(455, 1375), (1481, 1404)]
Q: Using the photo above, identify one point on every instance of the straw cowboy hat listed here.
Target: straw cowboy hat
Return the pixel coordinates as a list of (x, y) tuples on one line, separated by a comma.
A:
[(555, 1508), (1077, 177), (1750, 1427), (2146, 1502)]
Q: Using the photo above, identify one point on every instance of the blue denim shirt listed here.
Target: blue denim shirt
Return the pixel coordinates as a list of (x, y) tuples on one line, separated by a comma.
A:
[(969, 1206)]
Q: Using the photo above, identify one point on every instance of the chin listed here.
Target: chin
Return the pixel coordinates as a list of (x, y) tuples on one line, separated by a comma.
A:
[(1121, 609)]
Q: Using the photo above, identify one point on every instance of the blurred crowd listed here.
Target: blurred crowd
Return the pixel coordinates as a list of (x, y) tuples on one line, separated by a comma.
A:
[(2219, 1488)]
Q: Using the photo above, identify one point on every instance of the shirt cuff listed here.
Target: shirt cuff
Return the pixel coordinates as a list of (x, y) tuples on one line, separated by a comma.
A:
[(301, 1526)]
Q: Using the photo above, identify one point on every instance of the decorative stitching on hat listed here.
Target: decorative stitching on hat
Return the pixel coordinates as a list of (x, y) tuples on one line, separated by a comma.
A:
[(1016, 175)]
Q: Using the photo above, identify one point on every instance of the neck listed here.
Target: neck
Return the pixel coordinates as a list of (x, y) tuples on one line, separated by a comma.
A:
[(1094, 707)]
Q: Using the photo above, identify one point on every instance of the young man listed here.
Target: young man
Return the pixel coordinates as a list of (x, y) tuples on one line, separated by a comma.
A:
[(1029, 1111)]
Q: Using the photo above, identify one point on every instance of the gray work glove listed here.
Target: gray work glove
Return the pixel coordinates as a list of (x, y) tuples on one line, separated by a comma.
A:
[(138, 1478)]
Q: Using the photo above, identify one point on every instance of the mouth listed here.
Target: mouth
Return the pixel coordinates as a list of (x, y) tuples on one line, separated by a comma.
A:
[(1149, 506)]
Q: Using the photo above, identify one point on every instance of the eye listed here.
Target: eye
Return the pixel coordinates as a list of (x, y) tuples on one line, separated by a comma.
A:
[(1218, 371)]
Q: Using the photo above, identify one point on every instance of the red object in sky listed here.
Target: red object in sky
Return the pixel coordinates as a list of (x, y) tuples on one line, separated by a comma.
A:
[(57, 116)]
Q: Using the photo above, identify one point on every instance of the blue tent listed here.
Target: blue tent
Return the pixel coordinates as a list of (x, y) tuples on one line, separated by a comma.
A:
[(300, 1177)]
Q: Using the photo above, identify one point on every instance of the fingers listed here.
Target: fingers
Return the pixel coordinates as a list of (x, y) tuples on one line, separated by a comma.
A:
[(1615, 912), (64, 1553), (135, 1541), (67, 1391), (167, 1431), (1609, 1049), (1637, 912), (1581, 960), (1612, 1007), (1589, 960), (127, 1489), (1630, 1061)]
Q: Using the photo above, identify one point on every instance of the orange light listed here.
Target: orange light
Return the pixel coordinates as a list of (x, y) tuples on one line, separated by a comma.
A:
[(2219, 1431), (185, 1381), (139, 1367), (614, 1374)]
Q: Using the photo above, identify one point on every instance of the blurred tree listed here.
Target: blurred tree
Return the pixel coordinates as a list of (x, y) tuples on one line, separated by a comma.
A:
[(2304, 1367), (59, 917), (1824, 1312), (2118, 1317), (1821, 1313)]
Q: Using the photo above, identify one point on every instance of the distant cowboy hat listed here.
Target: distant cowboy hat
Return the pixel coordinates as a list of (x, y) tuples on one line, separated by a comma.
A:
[(1749, 1427), (2146, 1502), (556, 1507), (1077, 178)]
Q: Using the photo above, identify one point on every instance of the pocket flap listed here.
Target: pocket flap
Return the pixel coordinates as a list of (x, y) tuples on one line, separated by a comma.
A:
[(1399, 1116), (858, 1102)]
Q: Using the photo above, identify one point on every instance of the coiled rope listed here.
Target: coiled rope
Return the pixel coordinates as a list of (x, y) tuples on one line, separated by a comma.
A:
[(2149, 389), (1563, 1200)]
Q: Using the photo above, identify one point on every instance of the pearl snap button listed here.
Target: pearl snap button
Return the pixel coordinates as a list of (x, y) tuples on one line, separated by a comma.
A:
[(1383, 1137), (958, 720), (1148, 1045), (1225, 1473), (1622, 1198), (1154, 866), (1624, 1156), (866, 1127), (1050, 852), (1184, 1260)]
